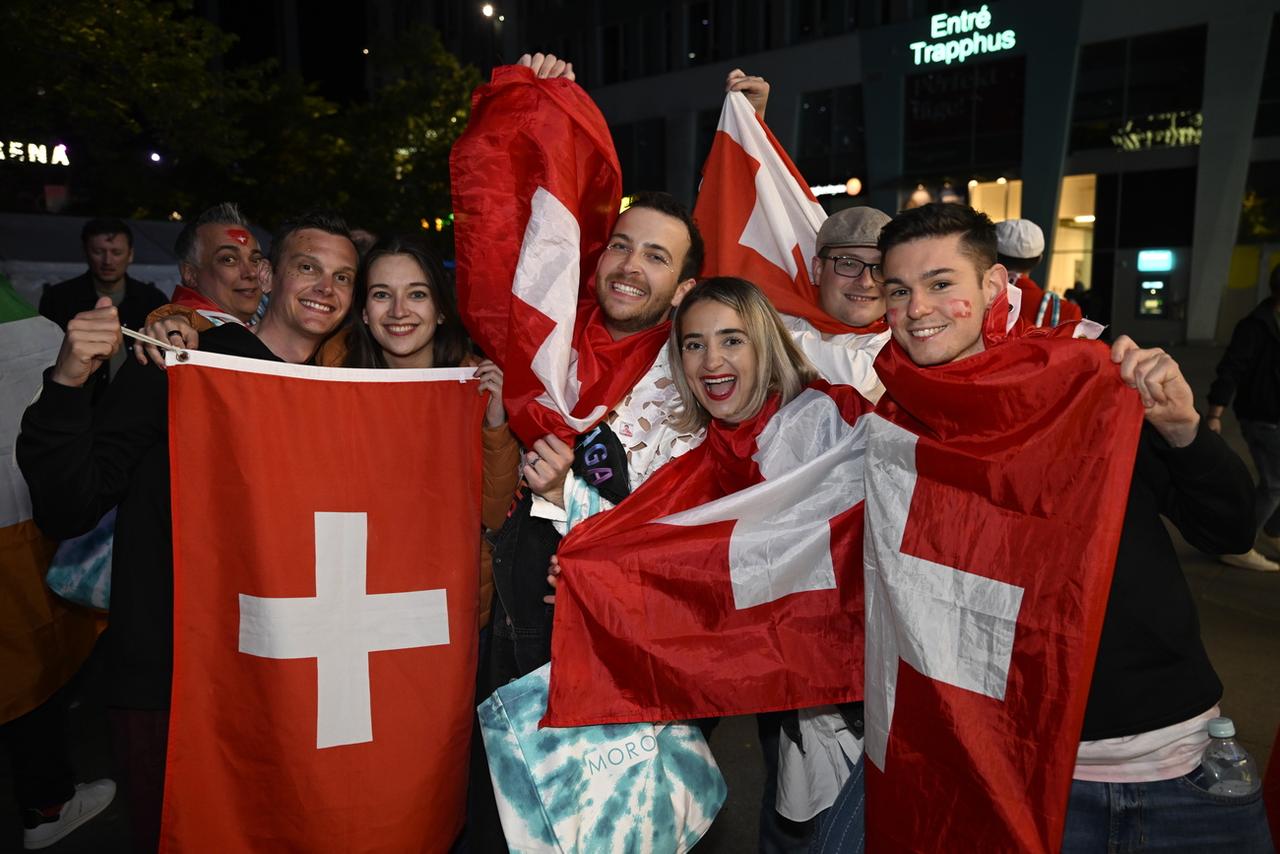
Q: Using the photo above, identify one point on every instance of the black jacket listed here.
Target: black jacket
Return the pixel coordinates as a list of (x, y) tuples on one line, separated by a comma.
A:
[(79, 461), (1152, 670), (1250, 369), (65, 300)]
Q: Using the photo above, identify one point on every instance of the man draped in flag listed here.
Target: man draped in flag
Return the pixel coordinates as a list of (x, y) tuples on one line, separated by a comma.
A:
[(80, 461), (572, 303), (1017, 566)]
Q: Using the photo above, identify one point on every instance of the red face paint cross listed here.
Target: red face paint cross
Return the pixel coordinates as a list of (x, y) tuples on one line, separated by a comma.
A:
[(239, 235)]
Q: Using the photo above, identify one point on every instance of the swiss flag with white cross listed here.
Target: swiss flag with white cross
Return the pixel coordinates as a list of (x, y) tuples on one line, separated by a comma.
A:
[(730, 582), (536, 188), (996, 491), (326, 529)]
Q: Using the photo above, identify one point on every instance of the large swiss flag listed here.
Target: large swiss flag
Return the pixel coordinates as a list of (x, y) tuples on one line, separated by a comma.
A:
[(326, 542), (536, 189), (996, 492), (728, 583)]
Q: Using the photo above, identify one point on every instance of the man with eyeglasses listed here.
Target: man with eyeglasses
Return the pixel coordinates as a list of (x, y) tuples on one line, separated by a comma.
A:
[(845, 265)]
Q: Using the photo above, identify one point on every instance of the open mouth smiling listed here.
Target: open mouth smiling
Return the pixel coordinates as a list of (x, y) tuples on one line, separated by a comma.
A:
[(720, 386)]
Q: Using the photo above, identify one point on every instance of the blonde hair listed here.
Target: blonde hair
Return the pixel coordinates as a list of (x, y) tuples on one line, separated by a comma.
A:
[(781, 367)]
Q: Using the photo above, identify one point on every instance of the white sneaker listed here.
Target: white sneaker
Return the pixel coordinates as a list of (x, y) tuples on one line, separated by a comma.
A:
[(89, 800), (1269, 545), (1251, 560)]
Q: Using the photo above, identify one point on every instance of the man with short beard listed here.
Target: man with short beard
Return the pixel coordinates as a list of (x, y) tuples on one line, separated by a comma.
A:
[(649, 261), (79, 463)]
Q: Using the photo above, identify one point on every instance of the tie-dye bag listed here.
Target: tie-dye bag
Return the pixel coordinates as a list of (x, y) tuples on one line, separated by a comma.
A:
[(81, 568), (614, 788)]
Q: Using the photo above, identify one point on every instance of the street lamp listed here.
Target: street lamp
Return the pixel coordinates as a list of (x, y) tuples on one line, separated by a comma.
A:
[(487, 10)]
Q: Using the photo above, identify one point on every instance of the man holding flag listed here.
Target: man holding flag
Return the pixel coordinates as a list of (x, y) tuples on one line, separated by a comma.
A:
[(1048, 632), (80, 462), (575, 309)]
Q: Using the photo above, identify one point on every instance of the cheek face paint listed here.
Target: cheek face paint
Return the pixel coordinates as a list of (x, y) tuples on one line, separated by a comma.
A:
[(961, 308), (239, 235)]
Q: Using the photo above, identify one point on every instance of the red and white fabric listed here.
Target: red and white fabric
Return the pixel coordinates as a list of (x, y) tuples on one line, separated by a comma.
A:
[(536, 189), (760, 222), (326, 543), (728, 583), (997, 487)]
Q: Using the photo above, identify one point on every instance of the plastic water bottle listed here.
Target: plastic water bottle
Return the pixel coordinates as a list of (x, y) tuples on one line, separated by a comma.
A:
[(1228, 767)]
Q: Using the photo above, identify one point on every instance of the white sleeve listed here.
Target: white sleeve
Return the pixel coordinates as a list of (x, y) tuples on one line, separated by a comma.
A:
[(842, 359)]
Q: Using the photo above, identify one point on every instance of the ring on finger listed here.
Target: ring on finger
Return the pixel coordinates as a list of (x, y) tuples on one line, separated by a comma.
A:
[(535, 460)]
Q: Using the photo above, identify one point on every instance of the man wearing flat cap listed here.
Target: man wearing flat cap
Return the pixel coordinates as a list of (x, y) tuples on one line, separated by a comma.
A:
[(1019, 247), (842, 266)]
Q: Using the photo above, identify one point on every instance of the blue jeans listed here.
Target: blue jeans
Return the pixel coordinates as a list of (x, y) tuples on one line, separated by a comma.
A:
[(1177, 815), (842, 828), (1263, 440)]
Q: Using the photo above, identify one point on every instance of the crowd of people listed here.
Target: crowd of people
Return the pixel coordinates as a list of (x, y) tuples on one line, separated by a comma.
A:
[(923, 282)]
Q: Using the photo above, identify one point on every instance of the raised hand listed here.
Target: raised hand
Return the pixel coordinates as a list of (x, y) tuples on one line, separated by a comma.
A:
[(92, 338), (755, 88)]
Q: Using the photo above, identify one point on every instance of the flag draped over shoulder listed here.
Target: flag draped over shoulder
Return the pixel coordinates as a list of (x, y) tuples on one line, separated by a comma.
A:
[(326, 531), (43, 640), (996, 490), (759, 219), (536, 189), (728, 583)]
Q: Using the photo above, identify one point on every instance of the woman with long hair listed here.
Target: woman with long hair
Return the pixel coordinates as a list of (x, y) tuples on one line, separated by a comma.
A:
[(730, 353), (404, 315)]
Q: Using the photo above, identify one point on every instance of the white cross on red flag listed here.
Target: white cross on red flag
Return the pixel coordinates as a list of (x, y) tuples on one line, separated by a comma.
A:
[(729, 583), (326, 528), (759, 219), (536, 189), (996, 490)]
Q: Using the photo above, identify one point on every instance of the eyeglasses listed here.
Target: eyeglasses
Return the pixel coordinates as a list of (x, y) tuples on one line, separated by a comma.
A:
[(851, 267), (647, 256)]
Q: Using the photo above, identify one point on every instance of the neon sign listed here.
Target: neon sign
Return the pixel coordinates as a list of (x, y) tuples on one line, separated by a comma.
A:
[(972, 42), (33, 152)]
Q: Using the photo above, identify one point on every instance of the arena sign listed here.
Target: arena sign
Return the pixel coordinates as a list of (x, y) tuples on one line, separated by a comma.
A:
[(14, 151), (972, 41)]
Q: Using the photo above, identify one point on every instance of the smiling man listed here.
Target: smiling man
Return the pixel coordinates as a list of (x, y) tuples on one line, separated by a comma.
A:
[(221, 264), (845, 257), (1153, 688), (80, 463), (647, 264), (651, 258)]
